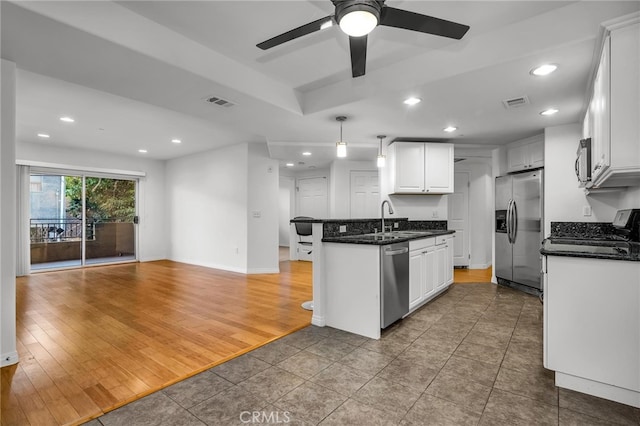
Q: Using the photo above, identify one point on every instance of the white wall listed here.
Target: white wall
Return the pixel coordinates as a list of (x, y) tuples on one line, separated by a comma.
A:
[(340, 185), (263, 190), (213, 197), (564, 201), (152, 230), (8, 215), (207, 205), (481, 210)]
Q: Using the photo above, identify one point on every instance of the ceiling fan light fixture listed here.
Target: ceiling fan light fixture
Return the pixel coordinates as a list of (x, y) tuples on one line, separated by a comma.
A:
[(358, 23), (357, 18)]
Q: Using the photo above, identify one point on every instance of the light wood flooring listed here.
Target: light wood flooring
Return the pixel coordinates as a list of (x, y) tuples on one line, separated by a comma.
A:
[(94, 339), (472, 275)]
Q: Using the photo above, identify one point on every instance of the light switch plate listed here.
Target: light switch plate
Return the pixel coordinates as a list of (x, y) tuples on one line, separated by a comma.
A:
[(586, 210), (396, 225), (343, 228)]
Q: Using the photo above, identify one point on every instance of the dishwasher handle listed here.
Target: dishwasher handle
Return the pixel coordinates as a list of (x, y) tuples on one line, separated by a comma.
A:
[(389, 252)]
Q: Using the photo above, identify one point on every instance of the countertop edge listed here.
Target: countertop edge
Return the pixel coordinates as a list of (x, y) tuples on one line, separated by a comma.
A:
[(353, 239), (590, 255)]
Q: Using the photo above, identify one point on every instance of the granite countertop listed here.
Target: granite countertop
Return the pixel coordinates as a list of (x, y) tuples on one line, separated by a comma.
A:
[(390, 219), (386, 238), (590, 248)]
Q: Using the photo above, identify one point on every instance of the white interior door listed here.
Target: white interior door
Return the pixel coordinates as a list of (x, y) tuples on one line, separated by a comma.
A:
[(459, 218), (365, 194), (312, 197)]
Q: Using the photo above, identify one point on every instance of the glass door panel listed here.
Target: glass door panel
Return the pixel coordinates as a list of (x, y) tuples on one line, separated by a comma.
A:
[(110, 209), (55, 233)]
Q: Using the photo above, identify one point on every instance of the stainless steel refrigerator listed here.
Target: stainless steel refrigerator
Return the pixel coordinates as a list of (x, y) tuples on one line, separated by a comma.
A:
[(518, 234)]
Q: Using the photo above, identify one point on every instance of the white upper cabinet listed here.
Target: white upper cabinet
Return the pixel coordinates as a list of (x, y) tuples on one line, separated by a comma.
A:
[(421, 168), (612, 118), (525, 154)]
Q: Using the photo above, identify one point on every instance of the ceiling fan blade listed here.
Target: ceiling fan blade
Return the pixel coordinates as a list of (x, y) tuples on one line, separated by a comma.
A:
[(309, 28), (398, 18), (358, 47)]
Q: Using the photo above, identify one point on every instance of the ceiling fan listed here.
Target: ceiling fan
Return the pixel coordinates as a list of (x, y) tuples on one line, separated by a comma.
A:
[(357, 18)]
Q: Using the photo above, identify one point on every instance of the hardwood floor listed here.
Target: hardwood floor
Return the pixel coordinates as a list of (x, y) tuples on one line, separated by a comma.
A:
[(472, 275), (94, 339)]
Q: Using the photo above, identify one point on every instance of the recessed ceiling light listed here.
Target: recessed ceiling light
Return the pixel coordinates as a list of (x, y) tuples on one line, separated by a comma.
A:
[(142, 151), (289, 164), (545, 69), (176, 141), (549, 111), (412, 101), (450, 129), (306, 153), (67, 119), (43, 135)]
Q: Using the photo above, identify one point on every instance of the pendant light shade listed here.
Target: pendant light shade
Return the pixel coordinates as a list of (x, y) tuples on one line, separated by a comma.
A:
[(341, 146), (381, 158)]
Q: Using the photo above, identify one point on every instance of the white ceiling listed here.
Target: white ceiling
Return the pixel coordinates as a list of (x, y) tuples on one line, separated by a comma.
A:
[(134, 74)]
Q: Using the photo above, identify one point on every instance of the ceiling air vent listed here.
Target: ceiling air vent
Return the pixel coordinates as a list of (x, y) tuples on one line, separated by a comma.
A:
[(218, 101), (515, 102)]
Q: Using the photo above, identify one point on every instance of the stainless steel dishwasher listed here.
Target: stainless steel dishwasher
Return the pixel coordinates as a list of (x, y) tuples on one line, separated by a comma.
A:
[(394, 291)]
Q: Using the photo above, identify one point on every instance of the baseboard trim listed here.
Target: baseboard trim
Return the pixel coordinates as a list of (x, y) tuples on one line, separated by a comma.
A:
[(9, 358), (263, 271), (318, 320), (479, 265)]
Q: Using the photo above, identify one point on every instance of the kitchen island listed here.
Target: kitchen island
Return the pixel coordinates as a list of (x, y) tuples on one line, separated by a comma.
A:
[(347, 279)]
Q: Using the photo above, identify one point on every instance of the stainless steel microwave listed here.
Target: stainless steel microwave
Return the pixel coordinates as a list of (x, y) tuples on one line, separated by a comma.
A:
[(583, 162)]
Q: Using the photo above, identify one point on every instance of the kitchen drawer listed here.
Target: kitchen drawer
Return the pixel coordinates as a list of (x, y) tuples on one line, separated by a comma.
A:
[(442, 239), (421, 243)]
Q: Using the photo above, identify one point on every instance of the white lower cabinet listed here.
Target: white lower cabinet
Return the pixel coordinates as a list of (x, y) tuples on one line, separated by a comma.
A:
[(592, 326), (430, 268)]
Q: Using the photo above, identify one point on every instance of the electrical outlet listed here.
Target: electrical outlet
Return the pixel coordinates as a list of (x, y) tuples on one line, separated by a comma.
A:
[(256, 214), (396, 225), (343, 228), (435, 214), (586, 210)]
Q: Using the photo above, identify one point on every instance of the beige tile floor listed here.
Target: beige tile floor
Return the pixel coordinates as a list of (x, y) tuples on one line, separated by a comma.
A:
[(471, 357)]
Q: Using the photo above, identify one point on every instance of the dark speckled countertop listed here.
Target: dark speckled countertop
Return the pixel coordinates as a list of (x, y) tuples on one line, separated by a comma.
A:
[(595, 240), (387, 238)]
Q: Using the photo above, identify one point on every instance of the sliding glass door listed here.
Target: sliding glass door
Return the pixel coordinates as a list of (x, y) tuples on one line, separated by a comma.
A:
[(81, 220)]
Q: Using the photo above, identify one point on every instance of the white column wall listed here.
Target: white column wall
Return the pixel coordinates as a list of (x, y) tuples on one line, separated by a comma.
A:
[(207, 208), (8, 350), (153, 238), (262, 213)]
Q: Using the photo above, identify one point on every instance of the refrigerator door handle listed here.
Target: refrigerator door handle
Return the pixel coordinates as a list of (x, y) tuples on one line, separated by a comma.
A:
[(508, 221), (514, 218)]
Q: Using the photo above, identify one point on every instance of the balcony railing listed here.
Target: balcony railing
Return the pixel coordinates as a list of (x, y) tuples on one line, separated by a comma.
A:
[(55, 230)]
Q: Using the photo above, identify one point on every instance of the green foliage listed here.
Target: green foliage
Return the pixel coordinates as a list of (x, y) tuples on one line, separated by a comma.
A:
[(108, 200)]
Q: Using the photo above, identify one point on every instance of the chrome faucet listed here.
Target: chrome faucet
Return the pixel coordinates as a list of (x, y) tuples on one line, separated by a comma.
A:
[(382, 212)]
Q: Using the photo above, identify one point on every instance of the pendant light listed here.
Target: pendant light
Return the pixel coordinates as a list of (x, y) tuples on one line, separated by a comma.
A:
[(341, 146), (381, 158)]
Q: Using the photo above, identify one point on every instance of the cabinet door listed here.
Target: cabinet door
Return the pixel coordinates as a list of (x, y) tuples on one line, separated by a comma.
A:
[(517, 158), (536, 154), (600, 148), (409, 165), (431, 271), (441, 265), (416, 278), (448, 272), (438, 160)]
